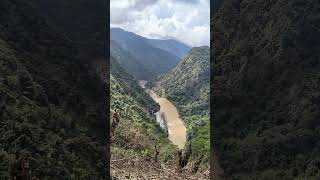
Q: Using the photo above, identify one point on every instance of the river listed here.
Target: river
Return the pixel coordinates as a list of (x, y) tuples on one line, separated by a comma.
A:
[(177, 132)]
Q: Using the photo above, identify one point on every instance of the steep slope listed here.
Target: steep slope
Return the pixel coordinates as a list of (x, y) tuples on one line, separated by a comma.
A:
[(51, 108), (128, 62), (130, 86), (155, 60), (174, 47), (266, 89), (187, 86), (137, 134), (83, 22), (136, 139)]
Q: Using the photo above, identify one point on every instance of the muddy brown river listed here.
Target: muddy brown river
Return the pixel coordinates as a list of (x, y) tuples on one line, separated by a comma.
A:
[(177, 132), (176, 129)]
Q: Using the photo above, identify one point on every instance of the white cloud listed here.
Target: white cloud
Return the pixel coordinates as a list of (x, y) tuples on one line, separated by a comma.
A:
[(186, 21)]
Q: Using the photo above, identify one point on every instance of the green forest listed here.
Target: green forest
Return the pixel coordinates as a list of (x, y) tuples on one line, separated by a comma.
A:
[(51, 110), (265, 89)]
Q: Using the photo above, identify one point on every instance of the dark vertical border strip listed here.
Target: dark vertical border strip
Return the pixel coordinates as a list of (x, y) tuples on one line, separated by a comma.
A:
[(212, 3), (214, 7), (107, 85)]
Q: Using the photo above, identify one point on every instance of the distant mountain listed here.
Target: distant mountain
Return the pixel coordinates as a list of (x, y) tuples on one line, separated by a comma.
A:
[(174, 47), (128, 61), (156, 61), (187, 86)]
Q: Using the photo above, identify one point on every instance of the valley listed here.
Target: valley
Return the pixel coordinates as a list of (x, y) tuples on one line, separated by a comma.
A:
[(159, 108), (177, 132)]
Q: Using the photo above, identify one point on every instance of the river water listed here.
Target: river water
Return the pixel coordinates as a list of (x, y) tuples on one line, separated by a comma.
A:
[(177, 132)]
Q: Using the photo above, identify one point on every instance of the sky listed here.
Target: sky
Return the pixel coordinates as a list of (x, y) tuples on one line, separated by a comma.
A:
[(187, 21)]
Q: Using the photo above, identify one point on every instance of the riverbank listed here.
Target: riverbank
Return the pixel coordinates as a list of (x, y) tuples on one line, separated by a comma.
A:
[(177, 132)]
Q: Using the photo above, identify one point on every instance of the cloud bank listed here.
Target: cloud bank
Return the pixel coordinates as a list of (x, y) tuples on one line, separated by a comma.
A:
[(187, 21)]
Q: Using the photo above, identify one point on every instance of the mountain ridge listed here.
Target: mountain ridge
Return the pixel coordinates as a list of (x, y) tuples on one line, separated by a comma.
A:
[(128, 61), (155, 60), (170, 45)]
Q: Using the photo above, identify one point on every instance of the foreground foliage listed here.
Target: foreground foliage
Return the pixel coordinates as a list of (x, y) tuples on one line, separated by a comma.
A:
[(266, 89), (50, 103)]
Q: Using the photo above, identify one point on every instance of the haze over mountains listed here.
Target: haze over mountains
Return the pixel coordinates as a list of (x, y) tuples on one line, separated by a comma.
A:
[(175, 47), (128, 61), (155, 56)]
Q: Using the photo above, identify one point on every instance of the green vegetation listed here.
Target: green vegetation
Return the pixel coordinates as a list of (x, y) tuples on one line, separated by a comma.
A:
[(266, 89), (50, 103), (187, 86), (137, 133)]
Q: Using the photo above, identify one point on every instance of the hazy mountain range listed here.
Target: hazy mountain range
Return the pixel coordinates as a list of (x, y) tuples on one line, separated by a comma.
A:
[(155, 56)]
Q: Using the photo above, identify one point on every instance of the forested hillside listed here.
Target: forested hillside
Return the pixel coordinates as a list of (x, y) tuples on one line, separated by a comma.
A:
[(127, 61), (51, 108), (156, 61), (187, 86), (82, 22), (135, 136), (266, 89)]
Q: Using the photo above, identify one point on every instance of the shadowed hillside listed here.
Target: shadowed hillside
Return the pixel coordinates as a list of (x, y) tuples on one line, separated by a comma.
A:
[(51, 105), (135, 135), (174, 47), (127, 61), (83, 22), (266, 89), (156, 61)]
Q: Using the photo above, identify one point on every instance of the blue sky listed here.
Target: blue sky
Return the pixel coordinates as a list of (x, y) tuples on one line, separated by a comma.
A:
[(185, 20)]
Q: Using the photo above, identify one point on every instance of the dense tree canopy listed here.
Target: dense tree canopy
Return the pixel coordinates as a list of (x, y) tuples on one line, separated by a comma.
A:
[(265, 89)]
